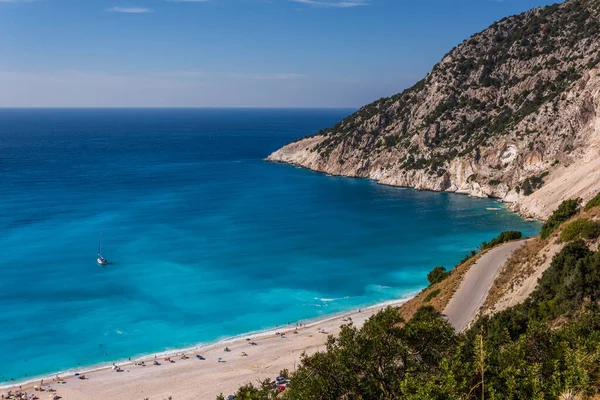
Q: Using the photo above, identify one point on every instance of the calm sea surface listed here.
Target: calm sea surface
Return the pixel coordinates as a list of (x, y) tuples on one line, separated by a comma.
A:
[(205, 239)]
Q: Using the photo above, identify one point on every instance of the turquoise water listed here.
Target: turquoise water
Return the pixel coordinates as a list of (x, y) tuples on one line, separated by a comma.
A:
[(205, 239)]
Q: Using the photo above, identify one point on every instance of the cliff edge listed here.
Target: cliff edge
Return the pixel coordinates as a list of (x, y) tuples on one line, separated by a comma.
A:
[(512, 113)]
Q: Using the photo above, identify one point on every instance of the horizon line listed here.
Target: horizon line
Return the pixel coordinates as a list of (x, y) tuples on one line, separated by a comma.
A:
[(170, 107)]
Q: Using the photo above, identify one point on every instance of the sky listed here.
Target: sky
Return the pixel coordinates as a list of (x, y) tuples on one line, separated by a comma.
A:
[(228, 53)]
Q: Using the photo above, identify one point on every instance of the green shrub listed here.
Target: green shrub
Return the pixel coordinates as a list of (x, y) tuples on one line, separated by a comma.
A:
[(566, 210), (432, 295), (423, 358), (437, 274), (285, 373), (595, 202), (506, 236), (472, 254), (264, 391), (573, 230), (581, 227), (591, 230), (533, 183)]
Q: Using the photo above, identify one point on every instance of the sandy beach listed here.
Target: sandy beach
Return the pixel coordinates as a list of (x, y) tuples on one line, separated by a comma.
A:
[(191, 378)]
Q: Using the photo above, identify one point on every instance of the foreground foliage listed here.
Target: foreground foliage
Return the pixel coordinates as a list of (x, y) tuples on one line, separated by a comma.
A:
[(540, 349), (250, 392)]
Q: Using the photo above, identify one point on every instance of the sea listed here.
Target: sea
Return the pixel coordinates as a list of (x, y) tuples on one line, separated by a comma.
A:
[(205, 239)]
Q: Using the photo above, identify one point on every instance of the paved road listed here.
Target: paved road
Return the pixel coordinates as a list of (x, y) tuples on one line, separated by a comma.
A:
[(474, 288)]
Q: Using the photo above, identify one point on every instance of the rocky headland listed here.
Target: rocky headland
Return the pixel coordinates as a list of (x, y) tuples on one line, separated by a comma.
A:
[(511, 113)]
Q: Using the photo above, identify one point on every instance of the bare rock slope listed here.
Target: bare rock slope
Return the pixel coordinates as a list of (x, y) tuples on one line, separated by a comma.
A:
[(513, 113)]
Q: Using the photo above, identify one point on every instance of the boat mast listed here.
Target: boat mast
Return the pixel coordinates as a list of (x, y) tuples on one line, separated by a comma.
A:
[(100, 246)]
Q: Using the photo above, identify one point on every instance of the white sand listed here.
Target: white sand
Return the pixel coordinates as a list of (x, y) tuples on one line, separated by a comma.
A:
[(195, 379)]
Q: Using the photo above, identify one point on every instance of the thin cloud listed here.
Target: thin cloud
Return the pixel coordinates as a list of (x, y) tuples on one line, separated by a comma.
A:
[(130, 10), (332, 4)]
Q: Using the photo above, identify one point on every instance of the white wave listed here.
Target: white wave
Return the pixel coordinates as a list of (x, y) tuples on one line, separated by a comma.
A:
[(328, 300), (218, 343)]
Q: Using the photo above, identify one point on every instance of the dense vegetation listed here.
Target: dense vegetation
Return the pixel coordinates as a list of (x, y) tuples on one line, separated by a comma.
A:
[(566, 210), (511, 355), (504, 237), (583, 228)]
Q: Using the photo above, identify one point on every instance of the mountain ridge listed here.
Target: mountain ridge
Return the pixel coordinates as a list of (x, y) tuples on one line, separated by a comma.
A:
[(511, 113)]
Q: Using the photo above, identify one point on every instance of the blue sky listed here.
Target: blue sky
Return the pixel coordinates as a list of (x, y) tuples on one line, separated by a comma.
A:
[(228, 53)]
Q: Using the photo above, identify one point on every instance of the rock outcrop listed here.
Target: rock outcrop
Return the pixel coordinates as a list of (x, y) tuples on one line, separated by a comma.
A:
[(512, 113)]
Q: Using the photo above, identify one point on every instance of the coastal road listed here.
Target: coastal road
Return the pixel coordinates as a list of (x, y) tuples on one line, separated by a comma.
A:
[(476, 284)]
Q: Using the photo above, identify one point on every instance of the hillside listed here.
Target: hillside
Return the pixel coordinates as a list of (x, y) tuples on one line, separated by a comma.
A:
[(546, 346), (510, 113)]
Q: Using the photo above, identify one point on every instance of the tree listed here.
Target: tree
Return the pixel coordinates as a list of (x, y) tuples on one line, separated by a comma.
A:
[(437, 274)]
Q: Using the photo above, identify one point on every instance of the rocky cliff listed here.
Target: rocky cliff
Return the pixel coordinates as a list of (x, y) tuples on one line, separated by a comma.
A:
[(513, 112)]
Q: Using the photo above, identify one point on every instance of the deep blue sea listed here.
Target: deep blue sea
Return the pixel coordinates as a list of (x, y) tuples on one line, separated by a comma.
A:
[(205, 239)]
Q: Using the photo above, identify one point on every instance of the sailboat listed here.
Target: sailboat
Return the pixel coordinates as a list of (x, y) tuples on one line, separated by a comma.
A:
[(101, 260)]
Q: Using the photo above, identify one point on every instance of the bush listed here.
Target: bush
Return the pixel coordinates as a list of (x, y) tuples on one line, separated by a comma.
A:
[(432, 295), (591, 230), (524, 353), (506, 236), (285, 373), (581, 227), (472, 254), (437, 274), (595, 202), (573, 230), (387, 358), (250, 392), (533, 183), (566, 210)]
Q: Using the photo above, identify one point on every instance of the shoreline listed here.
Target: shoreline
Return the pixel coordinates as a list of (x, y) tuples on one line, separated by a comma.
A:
[(7, 385), (263, 334), (321, 172), (513, 207), (258, 334), (69, 374)]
